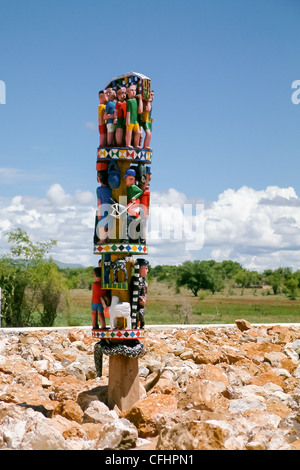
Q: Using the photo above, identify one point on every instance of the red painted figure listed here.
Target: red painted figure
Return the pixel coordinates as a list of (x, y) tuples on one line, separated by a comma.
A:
[(98, 300), (120, 116)]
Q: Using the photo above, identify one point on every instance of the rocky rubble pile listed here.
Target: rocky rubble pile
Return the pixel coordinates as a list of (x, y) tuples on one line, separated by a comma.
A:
[(234, 388)]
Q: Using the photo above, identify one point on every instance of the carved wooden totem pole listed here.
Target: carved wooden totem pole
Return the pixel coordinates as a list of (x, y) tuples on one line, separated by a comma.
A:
[(120, 238)]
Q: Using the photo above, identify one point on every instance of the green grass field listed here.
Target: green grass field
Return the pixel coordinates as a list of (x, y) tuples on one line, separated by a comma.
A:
[(165, 306)]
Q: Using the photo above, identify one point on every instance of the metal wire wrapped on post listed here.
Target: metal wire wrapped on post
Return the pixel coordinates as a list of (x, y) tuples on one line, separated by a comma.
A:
[(134, 349)]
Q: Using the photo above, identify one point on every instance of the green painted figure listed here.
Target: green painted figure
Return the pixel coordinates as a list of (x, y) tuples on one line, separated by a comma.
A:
[(134, 108)]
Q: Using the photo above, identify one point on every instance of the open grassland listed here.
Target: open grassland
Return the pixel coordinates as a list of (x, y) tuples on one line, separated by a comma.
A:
[(166, 306)]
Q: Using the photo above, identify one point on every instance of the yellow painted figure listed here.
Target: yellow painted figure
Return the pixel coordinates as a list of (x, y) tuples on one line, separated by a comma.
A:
[(101, 120), (134, 108)]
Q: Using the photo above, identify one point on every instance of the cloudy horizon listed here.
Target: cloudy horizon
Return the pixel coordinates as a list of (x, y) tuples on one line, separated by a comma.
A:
[(260, 229)]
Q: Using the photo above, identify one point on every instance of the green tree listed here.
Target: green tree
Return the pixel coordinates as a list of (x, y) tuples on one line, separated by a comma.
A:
[(51, 288), (23, 280), (246, 278), (275, 280), (163, 273), (7, 295), (292, 284), (25, 250), (198, 275), (78, 278), (230, 268)]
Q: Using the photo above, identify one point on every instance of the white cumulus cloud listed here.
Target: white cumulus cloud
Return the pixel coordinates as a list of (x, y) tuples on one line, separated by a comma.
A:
[(259, 229)]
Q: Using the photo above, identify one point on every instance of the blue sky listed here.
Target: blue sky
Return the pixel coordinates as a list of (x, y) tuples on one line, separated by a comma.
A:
[(222, 72)]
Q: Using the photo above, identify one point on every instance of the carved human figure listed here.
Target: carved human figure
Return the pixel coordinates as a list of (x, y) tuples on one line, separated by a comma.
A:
[(147, 120), (104, 195), (109, 115), (134, 219), (133, 192), (145, 197), (120, 116), (98, 300), (139, 290), (134, 108), (101, 120)]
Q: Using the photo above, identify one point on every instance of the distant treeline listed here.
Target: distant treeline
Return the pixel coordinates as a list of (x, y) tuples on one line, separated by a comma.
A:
[(203, 275), (34, 289)]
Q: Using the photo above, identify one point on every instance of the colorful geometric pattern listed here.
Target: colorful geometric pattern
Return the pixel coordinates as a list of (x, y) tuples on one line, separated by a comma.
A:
[(140, 155), (116, 285), (118, 334), (127, 248)]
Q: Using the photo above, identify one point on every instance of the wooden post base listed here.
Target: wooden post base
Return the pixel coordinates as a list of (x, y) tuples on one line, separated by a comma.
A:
[(123, 382)]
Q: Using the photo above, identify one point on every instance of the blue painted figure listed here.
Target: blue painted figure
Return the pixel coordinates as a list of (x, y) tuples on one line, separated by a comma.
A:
[(109, 115), (104, 195)]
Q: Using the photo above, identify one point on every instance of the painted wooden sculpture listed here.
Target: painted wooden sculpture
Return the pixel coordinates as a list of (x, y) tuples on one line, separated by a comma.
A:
[(120, 238)]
